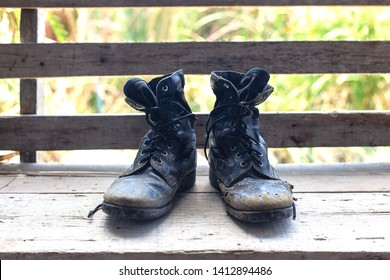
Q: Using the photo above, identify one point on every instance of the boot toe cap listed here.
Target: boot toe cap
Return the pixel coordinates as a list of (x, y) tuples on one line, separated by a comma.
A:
[(254, 194), (138, 192)]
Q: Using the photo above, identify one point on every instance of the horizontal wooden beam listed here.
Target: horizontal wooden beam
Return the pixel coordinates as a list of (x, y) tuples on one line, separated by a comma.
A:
[(315, 129), (163, 3), (92, 59)]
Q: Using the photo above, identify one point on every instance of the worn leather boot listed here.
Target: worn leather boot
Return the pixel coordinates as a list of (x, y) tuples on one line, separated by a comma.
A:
[(166, 160), (251, 189)]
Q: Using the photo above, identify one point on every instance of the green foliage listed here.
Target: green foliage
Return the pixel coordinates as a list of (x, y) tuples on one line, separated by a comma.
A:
[(9, 33)]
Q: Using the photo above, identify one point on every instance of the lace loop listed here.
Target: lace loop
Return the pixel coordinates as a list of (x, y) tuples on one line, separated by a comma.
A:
[(164, 127), (234, 113)]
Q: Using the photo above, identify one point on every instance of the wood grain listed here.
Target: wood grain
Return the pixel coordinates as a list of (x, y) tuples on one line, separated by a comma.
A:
[(159, 3), (335, 220), (93, 59), (306, 129), (31, 90), (306, 178), (328, 226)]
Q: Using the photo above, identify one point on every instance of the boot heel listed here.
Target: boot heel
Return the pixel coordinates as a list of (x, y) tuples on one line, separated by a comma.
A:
[(188, 181)]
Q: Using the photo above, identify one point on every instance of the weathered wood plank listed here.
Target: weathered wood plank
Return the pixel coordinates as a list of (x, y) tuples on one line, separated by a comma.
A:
[(86, 59), (31, 90), (325, 178), (160, 3), (316, 129), (325, 183), (328, 226), (31, 96), (5, 180), (45, 169)]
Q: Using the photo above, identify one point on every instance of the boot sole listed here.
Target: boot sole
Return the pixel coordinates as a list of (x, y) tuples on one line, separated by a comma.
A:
[(139, 213), (253, 216), (260, 216), (131, 213)]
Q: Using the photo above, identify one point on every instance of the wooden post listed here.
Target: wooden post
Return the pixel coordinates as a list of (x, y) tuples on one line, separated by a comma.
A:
[(31, 90)]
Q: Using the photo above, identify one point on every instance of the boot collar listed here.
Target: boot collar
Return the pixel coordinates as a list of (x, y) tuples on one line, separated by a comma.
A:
[(248, 88)]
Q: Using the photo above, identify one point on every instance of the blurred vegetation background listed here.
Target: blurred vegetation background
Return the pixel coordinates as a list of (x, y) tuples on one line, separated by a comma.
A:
[(86, 95)]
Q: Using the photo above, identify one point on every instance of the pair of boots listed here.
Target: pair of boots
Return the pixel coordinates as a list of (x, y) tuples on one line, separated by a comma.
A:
[(166, 161)]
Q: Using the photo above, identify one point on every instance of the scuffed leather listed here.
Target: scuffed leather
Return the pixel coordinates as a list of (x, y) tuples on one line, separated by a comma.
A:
[(146, 189), (247, 180), (167, 152), (254, 194)]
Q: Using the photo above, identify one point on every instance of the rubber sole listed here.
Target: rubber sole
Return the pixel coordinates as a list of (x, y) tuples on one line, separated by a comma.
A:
[(147, 213), (260, 216), (131, 213), (253, 216)]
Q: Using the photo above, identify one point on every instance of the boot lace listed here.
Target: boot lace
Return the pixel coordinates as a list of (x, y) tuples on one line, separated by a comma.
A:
[(234, 113), (163, 126)]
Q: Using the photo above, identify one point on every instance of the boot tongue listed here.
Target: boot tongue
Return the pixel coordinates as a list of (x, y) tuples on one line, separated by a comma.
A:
[(139, 95), (252, 84), (223, 86), (170, 88)]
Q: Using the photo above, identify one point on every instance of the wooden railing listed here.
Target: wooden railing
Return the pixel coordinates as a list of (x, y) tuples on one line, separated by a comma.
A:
[(31, 60)]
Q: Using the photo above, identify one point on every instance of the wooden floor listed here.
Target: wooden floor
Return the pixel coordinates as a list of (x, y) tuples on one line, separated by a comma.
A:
[(343, 212)]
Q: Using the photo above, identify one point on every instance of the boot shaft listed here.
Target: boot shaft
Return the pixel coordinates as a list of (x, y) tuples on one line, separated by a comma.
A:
[(236, 147), (163, 101), (169, 146)]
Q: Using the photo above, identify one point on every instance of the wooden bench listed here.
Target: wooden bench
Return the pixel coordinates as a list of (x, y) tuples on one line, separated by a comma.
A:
[(343, 210)]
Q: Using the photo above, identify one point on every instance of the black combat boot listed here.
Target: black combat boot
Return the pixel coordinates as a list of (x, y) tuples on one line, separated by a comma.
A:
[(166, 160), (239, 167)]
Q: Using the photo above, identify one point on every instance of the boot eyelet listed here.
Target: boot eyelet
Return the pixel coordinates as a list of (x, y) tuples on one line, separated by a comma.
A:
[(260, 154), (165, 88), (164, 153), (260, 164), (243, 164), (238, 155), (233, 148), (159, 161), (169, 146), (142, 153)]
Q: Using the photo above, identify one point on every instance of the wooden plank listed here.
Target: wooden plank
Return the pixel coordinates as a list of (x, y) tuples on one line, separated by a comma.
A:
[(5, 180), (31, 102), (82, 132), (160, 3), (31, 90), (86, 59), (324, 183), (109, 170), (31, 96), (328, 226), (325, 178)]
